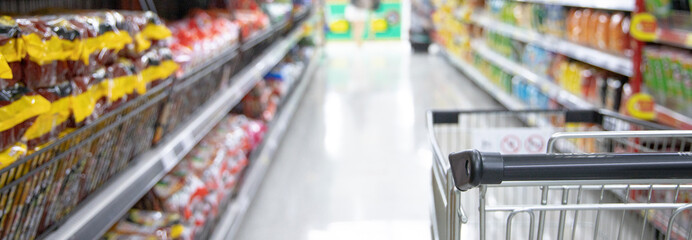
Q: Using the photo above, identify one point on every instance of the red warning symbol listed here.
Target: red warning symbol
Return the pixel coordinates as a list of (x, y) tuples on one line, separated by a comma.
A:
[(510, 144), (534, 143)]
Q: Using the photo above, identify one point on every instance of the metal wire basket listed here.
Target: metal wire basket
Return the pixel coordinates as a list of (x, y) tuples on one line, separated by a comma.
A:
[(604, 177), (195, 88), (254, 45), (39, 190)]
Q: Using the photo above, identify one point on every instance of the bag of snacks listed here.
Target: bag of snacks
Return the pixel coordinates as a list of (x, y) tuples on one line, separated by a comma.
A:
[(142, 224), (156, 65), (108, 41), (45, 62), (124, 82), (49, 124), (19, 108), (12, 154), (89, 97), (11, 52), (146, 29)]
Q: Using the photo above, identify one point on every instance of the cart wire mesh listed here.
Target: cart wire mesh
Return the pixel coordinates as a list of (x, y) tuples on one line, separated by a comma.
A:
[(634, 209)]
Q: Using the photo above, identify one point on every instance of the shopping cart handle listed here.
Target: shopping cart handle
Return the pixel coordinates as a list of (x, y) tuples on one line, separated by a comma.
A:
[(473, 168)]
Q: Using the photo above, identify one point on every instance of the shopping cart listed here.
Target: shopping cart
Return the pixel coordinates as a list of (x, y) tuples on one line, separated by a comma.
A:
[(600, 176)]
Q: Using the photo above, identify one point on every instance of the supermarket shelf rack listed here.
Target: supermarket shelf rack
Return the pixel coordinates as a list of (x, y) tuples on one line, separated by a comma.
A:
[(262, 157), (672, 118), (621, 5), (104, 207), (596, 57), (552, 90), (510, 102)]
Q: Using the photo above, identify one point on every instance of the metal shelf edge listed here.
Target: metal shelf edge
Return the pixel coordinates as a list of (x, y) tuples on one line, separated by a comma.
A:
[(596, 57), (232, 217), (104, 207), (505, 99), (554, 91), (626, 5), (670, 117)]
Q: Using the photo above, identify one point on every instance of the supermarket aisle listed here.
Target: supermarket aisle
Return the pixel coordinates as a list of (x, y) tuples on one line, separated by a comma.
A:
[(355, 163)]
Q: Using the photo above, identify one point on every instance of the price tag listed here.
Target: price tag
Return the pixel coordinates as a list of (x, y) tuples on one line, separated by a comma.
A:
[(641, 105), (644, 27), (169, 160)]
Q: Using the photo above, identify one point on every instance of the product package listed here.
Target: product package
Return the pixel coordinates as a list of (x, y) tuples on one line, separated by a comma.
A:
[(668, 77), (259, 103), (618, 34), (49, 125), (70, 59), (250, 18), (20, 107), (207, 176), (11, 52), (554, 20), (202, 35), (141, 224)]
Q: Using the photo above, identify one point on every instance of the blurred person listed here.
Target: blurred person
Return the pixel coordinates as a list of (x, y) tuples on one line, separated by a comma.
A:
[(358, 13), (421, 25)]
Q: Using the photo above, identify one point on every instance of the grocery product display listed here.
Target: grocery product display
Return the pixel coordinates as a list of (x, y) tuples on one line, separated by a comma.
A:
[(565, 55), (202, 184), (78, 84), (202, 35), (224, 78), (72, 74), (662, 27), (68, 69), (579, 55), (666, 77), (602, 29)]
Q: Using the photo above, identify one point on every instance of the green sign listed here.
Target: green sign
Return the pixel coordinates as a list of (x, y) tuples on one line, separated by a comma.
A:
[(385, 23)]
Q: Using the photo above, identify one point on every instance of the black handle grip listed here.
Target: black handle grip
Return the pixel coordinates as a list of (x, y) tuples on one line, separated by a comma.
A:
[(473, 168)]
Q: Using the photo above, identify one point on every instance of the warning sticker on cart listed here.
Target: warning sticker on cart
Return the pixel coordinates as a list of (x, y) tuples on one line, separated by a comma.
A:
[(511, 140)]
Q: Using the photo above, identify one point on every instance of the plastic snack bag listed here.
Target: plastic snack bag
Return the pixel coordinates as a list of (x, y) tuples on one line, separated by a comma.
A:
[(49, 124), (11, 52), (89, 97), (45, 62), (142, 224), (146, 29), (19, 108), (12, 154), (124, 82)]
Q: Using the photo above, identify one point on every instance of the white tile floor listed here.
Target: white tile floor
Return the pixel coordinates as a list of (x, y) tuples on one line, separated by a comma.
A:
[(356, 162)]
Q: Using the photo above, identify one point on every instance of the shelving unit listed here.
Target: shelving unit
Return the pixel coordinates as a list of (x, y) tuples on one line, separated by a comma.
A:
[(671, 32), (103, 208), (613, 62), (595, 57), (510, 102), (621, 5), (672, 118), (262, 158), (552, 90)]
